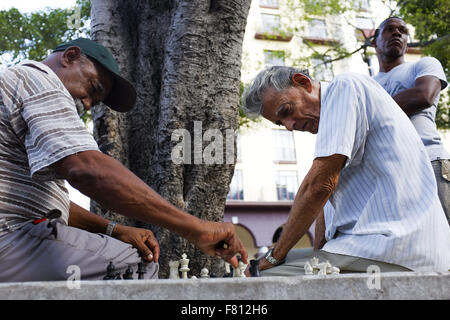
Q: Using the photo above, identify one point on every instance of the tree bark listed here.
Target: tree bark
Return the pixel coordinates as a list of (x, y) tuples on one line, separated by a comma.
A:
[(185, 59)]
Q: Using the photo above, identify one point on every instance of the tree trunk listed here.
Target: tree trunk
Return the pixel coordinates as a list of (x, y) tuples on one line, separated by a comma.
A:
[(184, 58)]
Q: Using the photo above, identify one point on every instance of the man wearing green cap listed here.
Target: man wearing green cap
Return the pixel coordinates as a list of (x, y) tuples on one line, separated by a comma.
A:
[(43, 142)]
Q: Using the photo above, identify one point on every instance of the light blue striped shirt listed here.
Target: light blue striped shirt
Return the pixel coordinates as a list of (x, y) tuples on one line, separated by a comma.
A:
[(386, 206)]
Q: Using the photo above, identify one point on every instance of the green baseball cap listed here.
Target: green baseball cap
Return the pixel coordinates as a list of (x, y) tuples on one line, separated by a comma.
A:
[(123, 95)]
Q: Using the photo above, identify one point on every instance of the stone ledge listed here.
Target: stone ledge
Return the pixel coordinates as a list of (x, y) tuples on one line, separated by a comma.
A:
[(393, 286)]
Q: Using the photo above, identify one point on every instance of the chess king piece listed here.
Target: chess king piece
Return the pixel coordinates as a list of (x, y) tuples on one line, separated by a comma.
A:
[(184, 266), (173, 272)]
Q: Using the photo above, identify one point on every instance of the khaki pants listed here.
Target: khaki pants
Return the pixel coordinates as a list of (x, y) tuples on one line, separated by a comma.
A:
[(297, 258), (51, 251)]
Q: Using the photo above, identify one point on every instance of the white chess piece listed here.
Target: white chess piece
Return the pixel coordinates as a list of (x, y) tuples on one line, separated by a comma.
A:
[(242, 266), (315, 265), (204, 273), (184, 266), (193, 277), (308, 269), (328, 267), (236, 272), (335, 270), (173, 273)]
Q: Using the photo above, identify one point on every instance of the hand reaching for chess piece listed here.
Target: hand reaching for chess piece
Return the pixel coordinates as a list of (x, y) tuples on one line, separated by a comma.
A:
[(219, 239), (142, 239)]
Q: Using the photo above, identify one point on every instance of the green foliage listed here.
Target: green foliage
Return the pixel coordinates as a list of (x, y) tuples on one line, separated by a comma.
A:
[(34, 35), (431, 19)]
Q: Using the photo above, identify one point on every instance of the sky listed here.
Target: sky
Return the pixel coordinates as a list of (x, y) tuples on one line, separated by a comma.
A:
[(35, 5)]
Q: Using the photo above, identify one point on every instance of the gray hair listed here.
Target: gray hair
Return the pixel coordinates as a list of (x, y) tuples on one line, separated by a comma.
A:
[(276, 77)]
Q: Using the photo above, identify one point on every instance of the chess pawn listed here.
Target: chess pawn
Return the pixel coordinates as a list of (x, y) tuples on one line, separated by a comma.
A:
[(173, 273), (308, 269), (128, 275), (110, 272), (193, 277), (184, 266), (204, 273)]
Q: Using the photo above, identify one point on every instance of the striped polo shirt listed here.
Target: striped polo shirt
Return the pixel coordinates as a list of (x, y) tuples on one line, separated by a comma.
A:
[(386, 205), (39, 125)]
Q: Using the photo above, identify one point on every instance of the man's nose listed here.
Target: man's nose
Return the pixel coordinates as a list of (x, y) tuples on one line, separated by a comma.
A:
[(289, 124)]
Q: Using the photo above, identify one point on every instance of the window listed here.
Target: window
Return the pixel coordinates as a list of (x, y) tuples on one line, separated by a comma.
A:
[(236, 187), (362, 4), (364, 23), (268, 3), (322, 71), (270, 23), (274, 58), (287, 184), (317, 28), (284, 146)]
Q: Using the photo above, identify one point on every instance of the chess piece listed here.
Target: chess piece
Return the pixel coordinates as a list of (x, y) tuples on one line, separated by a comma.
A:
[(227, 273), (315, 265), (193, 277), (128, 275), (335, 270), (111, 273), (184, 266), (204, 273), (173, 272), (322, 269), (141, 270), (254, 268), (242, 266), (308, 269)]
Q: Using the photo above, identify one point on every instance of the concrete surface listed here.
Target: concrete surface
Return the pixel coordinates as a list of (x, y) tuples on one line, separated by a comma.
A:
[(386, 286)]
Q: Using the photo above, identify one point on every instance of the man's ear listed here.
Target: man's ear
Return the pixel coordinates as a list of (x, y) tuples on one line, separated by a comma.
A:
[(299, 79), (70, 55)]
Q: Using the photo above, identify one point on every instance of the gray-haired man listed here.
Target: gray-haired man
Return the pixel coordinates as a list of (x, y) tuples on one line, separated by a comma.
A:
[(369, 163)]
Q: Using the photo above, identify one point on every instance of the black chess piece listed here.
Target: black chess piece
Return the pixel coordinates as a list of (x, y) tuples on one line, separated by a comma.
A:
[(141, 270), (254, 268), (110, 272), (128, 275)]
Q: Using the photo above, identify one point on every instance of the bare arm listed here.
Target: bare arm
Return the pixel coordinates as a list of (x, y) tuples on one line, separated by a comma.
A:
[(319, 233), (113, 186), (314, 192), (419, 97)]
